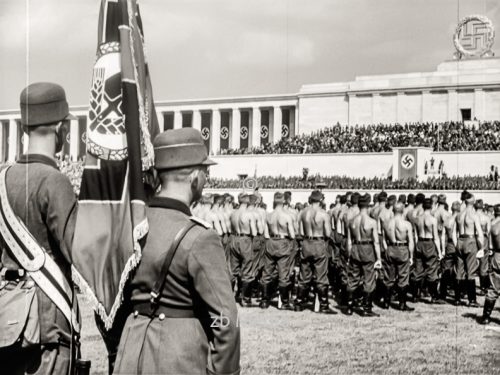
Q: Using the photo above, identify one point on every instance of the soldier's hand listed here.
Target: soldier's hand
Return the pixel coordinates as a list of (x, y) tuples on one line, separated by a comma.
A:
[(378, 265), (411, 261), (480, 254)]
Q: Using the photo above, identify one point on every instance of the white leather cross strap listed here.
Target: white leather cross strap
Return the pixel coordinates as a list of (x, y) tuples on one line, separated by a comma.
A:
[(33, 258)]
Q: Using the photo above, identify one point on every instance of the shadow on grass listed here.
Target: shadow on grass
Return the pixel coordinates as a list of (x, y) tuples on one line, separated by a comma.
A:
[(478, 316)]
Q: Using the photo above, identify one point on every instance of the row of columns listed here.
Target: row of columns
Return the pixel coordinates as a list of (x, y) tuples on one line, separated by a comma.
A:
[(275, 126)]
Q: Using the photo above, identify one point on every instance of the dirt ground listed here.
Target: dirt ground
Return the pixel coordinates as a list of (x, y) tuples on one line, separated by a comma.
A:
[(434, 339)]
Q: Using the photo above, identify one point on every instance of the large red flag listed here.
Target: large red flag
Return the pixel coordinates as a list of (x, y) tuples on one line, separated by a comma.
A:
[(121, 123)]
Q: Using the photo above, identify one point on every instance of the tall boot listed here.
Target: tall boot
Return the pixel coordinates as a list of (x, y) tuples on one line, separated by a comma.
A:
[(264, 301), (343, 295), (458, 292), (471, 293), (300, 299), (349, 302), (386, 297), (324, 306), (489, 304), (416, 292), (285, 298), (484, 283), (246, 294), (402, 301), (443, 286), (433, 286), (236, 285), (368, 306)]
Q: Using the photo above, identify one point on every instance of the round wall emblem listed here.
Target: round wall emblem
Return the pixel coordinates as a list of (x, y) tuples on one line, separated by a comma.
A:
[(474, 36), (224, 132), (84, 137), (68, 138), (205, 133), (244, 132), (250, 183), (407, 161), (264, 131)]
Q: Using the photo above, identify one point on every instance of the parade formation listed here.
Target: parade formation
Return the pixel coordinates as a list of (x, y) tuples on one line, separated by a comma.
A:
[(117, 224), (363, 250)]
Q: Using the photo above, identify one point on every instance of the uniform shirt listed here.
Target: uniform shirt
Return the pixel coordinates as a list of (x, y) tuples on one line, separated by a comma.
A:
[(44, 200), (197, 279)]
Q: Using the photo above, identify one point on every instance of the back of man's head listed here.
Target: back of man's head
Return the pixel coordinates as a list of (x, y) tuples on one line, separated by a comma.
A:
[(399, 208), (420, 198)]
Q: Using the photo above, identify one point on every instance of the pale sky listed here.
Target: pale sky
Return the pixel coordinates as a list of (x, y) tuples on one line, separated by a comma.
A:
[(225, 48)]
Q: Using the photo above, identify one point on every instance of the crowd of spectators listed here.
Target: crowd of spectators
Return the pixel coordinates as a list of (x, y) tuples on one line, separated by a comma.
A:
[(447, 136), (343, 182)]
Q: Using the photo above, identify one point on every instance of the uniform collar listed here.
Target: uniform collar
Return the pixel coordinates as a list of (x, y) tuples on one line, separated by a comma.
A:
[(37, 158), (173, 204)]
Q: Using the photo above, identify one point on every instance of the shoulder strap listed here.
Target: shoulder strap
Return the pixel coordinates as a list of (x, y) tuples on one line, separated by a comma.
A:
[(160, 283), (33, 258)]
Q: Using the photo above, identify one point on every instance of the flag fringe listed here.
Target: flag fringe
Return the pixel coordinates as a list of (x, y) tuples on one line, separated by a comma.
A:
[(139, 232)]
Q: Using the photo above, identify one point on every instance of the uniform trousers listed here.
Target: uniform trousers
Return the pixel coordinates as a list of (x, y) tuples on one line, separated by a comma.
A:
[(467, 262), (494, 290), (314, 261), (361, 268), (426, 261), (397, 266), (278, 255), (242, 259)]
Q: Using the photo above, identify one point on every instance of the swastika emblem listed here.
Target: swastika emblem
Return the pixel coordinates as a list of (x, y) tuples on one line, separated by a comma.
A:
[(224, 132), (244, 132), (407, 161), (474, 36), (205, 133), (84, 137), (68, 138), (264, 131), (284, 131)]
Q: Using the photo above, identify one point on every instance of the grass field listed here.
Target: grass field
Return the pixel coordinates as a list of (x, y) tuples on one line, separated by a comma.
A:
[(434, 339)]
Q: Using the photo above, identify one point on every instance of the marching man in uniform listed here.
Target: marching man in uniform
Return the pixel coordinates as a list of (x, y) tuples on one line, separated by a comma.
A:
[(279, 253), (399, 244), (469, 247), (184, 318), (494, 290), (314, 226), (364, 256), (39, 205)]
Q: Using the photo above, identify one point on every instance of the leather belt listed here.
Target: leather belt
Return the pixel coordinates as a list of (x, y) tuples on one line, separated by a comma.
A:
[(279, 237), (398, 243), (162, 311), (467, 236), (362, 242), (242, 235), (422, 239), (314, 238)]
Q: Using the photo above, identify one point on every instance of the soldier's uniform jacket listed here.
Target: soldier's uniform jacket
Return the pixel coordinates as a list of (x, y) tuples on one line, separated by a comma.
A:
[(197, 281), (43, 198)]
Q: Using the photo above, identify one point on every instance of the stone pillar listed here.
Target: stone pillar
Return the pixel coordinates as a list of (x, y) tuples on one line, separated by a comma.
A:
[(295, 129), (479, 106), (426, 106), (12, 140), (177, 119), (197, 119), (215, 132), (234, 141), (400, 113), (277, 122), (452, 105), (255, 131), (73, 139)]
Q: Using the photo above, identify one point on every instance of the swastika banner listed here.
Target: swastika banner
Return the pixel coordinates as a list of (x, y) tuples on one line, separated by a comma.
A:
[(407, 163)]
